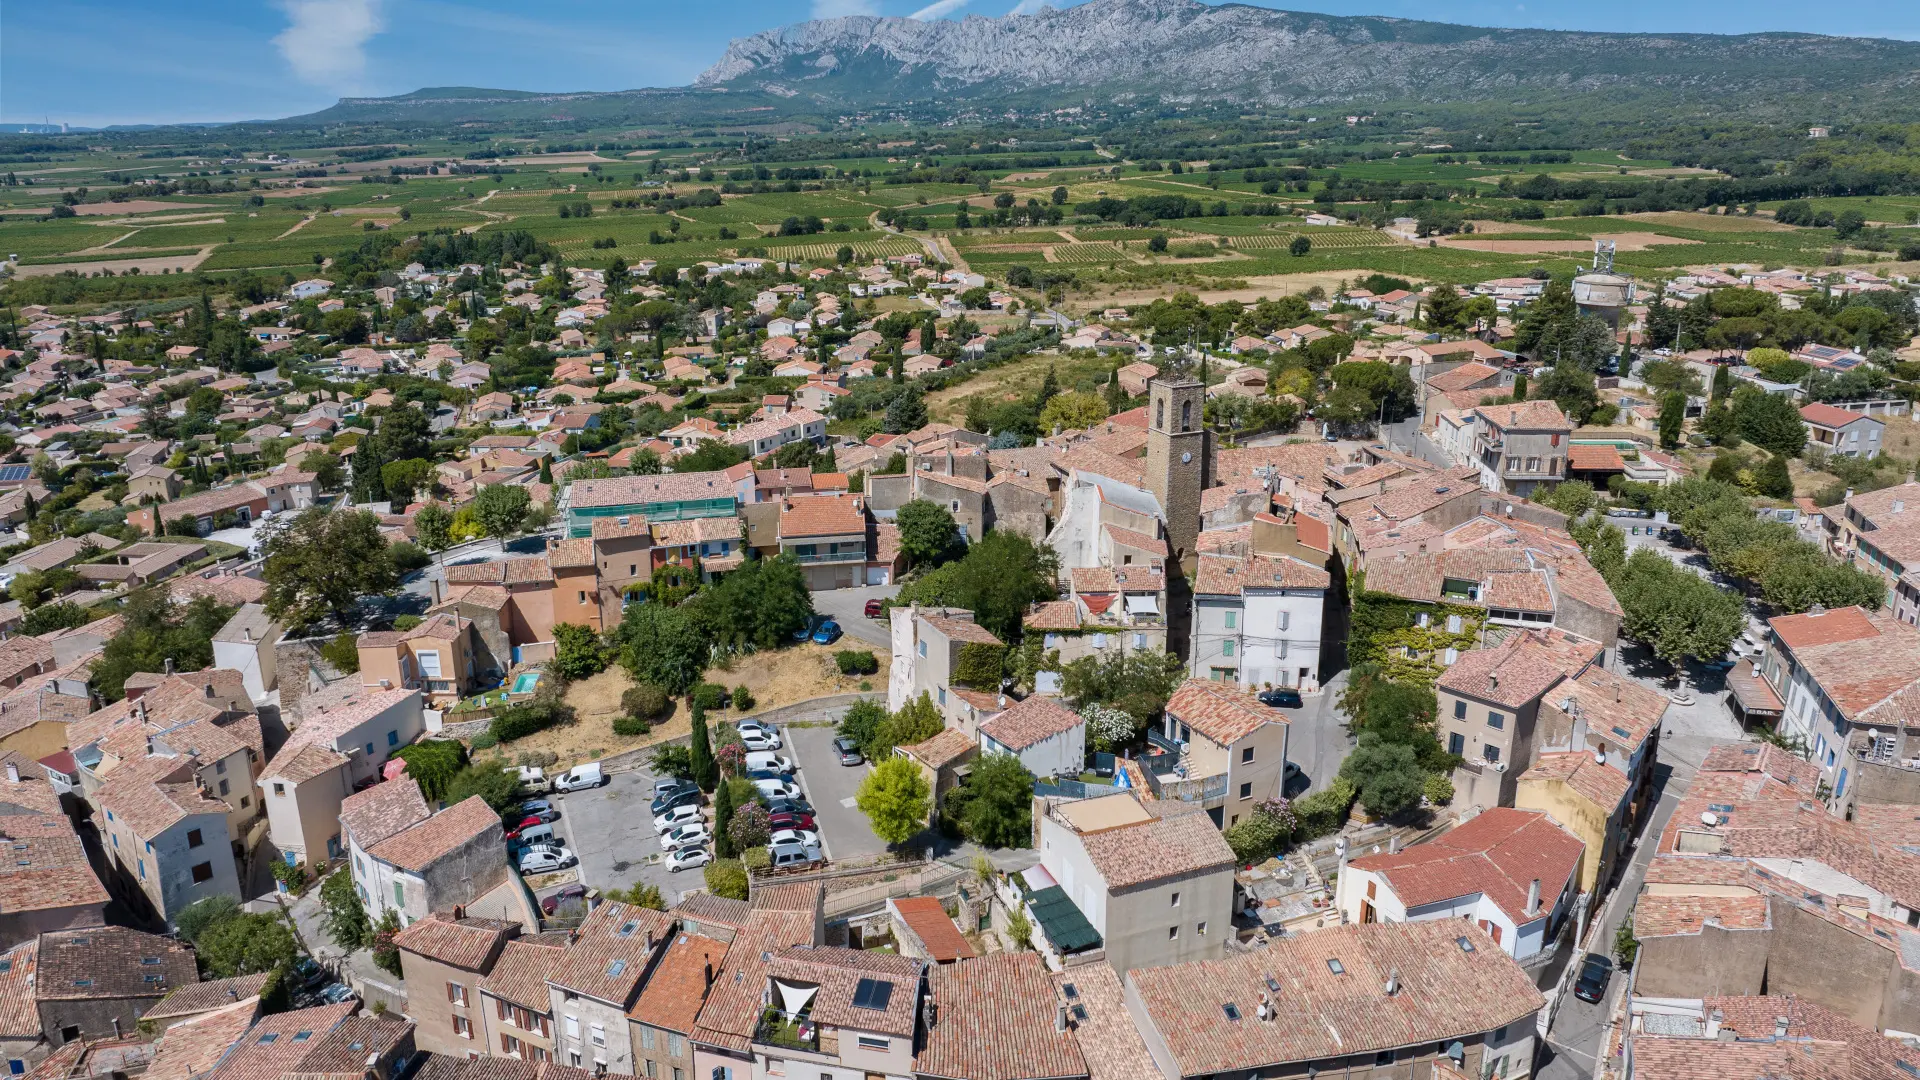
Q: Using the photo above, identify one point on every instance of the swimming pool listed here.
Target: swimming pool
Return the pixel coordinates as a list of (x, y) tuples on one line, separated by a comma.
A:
[(526, 681)]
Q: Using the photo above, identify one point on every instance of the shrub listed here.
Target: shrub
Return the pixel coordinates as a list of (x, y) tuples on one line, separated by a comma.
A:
[(727, 878), (856, 662), (710, 696), (1438, 789), (743, 698), (407, 556), (520, 720), (1324, 812), (485, 741), (748, 827), (1254, 838), (343, 652), (643, 701), (630, 726), (406, 622), (757, 858)]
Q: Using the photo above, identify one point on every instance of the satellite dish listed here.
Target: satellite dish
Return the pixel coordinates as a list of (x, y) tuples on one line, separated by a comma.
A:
[(1708, 817)]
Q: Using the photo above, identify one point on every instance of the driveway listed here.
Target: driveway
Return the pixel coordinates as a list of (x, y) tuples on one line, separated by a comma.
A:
[(847, 606), (610, 829), (830, 787)]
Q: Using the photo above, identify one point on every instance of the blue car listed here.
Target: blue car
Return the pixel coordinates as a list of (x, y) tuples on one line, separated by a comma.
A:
[(826, 633)]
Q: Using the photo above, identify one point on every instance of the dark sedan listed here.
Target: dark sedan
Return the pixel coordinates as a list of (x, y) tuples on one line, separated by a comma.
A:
[(1281, 697), (1594, 973)]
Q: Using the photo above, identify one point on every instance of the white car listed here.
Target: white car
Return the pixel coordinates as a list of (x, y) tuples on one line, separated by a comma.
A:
[(777, 789), (545, 860), (676, 817), (806, 837), (755, 740), (767, 759), (760, 726), (580, 778), (687, 858), (692, 834)]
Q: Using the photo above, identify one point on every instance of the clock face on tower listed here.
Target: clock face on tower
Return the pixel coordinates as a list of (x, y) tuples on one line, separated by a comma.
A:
[(1186, 459)]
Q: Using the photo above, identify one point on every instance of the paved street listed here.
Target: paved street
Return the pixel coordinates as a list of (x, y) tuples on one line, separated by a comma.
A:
[(1317, 739), (830, 787), (847, 606)]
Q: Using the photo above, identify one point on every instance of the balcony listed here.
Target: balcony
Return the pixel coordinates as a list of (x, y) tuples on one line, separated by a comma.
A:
[(1206, 790), (845, 554), (787, 1030)]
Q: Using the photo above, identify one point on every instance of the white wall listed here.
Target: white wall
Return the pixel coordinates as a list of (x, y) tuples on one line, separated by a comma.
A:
[(254, 660), (1065, 752), (1066, 859), (1262, 639)]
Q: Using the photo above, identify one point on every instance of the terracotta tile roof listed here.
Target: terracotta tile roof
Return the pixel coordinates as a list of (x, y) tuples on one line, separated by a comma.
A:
[(19, 1017), (344, 1051), (610, 952), (269, 1050), (704, 907), (304, 764), (1139, 541), (1463, 377), (797, 896), (1219, 711), (1602, 785), (149, 808), (678, 986), (570, 554), (1525, 416), (642, 490), (696, 530), (382, 810), (1585, 457), (838, 973), (206, 996), (448, 1067), (1824, 415), (1029, 722), (1869, 664), (1108, 1038), (928, 920), (1220, 575), (1873, 1056), (420, 846), (520, 973), (1518, 590), (960, 629), (111, 962), (1052, 615), (1445, 992), (1157, 849), (1776, 828), (1618, 711), (1496, 855), (49, 869), (1519, 669), (1665, 915), (610, 528), (1839, 626), (194, 1047), (1795, 772), (949, 746), (1093, 579), (822, 515), (465, 943), (993, 1020), (732, 1009)]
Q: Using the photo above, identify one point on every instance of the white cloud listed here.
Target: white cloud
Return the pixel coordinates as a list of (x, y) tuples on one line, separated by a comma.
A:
[(939, 9), (325, 40), (1030, 7), (836, 9)]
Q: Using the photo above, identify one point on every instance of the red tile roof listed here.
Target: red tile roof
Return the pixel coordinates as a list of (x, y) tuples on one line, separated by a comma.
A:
[(678, 986), (928, 920), (1030, 722), (993, 1019), (1824, 415), (1496, 855), (1220, 712)]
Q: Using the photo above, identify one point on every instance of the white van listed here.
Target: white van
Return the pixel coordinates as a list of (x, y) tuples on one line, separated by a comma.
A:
[(767, 759), (532, 778), (580, 778)]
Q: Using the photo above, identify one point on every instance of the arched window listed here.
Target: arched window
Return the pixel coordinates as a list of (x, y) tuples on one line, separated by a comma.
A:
[(1186, 416), (1160, 415)]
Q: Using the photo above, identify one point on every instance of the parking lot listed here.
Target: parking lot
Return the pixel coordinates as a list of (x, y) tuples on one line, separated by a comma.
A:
[(848, 608), (610, 828)]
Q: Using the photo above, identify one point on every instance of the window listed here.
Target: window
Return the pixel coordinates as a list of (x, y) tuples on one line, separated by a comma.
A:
[(1232, 617), (868, 1042), (1176, 899), (116, 840), (219, 767), (1459, 710), (245, 801), (1285, 617), (1226, 648), (509, 1045), (393, 738), (1201, 927), (1456, 744), (1495, 720), (943, 695), (573, 1027), (676, 1046), (573, 1058), (1533, 464), (194, 838), (597, 1035), (583, 595), (429, 664), (399, 894), (923, 648), (1246, 790), (1384, 1057), (1172, 932), (646, 1038), (1139, 641), (223, 787), (1490, 752), (143, 869), (203, 872), (1246, 755), (463, 1027), (279, 790), (457, 993), (653, 1068)]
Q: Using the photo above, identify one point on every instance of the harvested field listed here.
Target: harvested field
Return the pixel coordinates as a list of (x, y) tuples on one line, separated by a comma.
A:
[(178, 264), (1684, 219), (1626, 241)]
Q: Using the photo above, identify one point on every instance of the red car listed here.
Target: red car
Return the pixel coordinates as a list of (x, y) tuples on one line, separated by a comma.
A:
[(876, 608), (525, 823), (789, 820)]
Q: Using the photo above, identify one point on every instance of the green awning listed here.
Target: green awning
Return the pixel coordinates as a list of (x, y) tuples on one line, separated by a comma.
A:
[(1061, 921)]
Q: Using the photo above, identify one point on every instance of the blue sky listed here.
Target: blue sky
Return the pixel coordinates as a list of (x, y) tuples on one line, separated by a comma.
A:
[(92, 62)]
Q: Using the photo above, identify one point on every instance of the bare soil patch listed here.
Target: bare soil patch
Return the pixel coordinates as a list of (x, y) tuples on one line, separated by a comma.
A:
[(1687, 219), (1627, 241), (176, 263), (136, 206), (1484, 228)]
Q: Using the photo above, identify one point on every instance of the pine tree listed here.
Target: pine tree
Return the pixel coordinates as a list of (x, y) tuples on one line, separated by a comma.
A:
[(1520, 387), (706, 772), (1049, 387)]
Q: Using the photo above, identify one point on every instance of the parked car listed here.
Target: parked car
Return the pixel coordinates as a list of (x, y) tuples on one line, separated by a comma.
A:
[(337, 994), (875, 608), (580, 778), (759, 741), (785, 855), (687, 858), (678, 797), (674, 818), (664, 784), (806, 837), (807, 628), (767, 759), (1281, 697), (1594, 973), (826, 633), (789, 804), (529, 835), (692, 834), (789, 819), (777, 789), (545, 860), (568, 893), (513, 833), (768, 774), (765, 727), (540, 808), (849, 751), (308, 972), (532, 778)]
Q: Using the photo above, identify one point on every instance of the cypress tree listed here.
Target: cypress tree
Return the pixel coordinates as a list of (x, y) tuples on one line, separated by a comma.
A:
[(722, 817), (706, 772)]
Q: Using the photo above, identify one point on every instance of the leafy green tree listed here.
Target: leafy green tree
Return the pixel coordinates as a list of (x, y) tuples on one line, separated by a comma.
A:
[(761, 605), (246, 944), (727, 878), (490, 781), (1300, 246), (403, 434), (916, 722), (155, 631), (723, 810), (1388, 775), (896, 799), (321, 562), (577, 653), (342, 913), (1571, 388), (500, 509), (861, 723), (711, 455), (999, 802), (433, 763), (1001, 576), (927, 531), (905, 413), (403, 479), (662, 645), (1673, 611), (1773, 479), (197, 917), (433, 524), (1445, 308), (1769, 421), (1254, 838)]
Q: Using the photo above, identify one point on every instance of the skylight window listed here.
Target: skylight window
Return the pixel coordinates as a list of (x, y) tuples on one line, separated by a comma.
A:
[(302, 1036), (1072, 991), (614, 969), (269, 1037), (1336, 966), (627, 929), (1465, 945), (1232, 1010), (1273, 984)]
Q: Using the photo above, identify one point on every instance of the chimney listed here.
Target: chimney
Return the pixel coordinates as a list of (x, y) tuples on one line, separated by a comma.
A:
[(1493, 680), (168, 667), (1533, 897), (248, 631), (436, 591), (709, 981), (1393, 982), (1617, 690), (459, 912), (208, 686), (1779, 1027), (1059, 1018), (1393, 844), (13, 773)]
